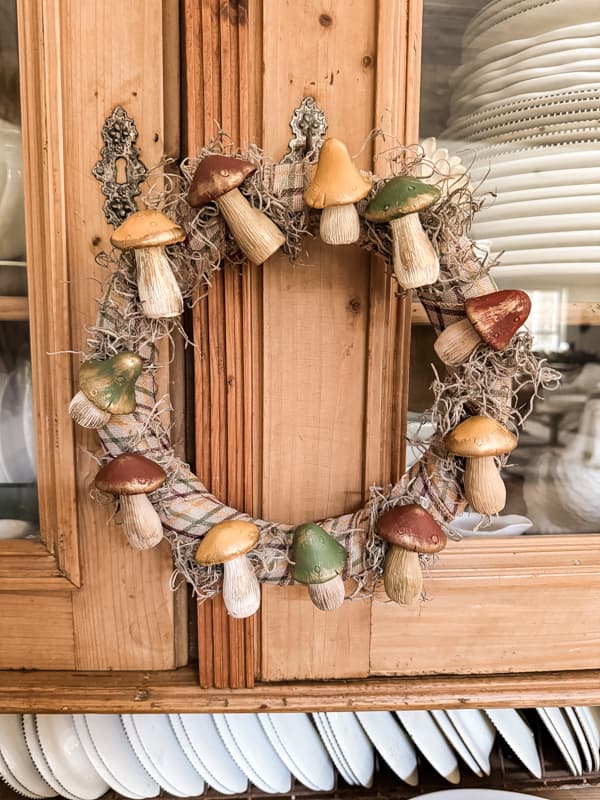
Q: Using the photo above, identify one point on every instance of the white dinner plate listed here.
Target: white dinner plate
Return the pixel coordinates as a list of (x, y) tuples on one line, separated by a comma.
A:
[(494, 128), (199, 739), (14, 752), (428, 738), (546, 194), (579, 204), (518, 736), (248, 744), (477, 732), (477, 794), (66, 757), (581, 155), (588, 723), (332, 748), (556, 725), (38, 758), (10, 780), (525, 224), (392, 743), (354, 744), (454, 739), (537, 242), (300, 747), (580, 737), (108, 738)]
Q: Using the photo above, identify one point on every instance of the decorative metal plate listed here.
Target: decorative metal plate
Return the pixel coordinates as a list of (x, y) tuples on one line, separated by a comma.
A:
[(119, 135), (309, 126)]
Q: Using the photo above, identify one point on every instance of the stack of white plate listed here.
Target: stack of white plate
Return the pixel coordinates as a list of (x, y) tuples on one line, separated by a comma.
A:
[(525, 113)]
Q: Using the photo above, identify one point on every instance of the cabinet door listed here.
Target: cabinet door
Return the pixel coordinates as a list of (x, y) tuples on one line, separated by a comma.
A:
[(72, 595)]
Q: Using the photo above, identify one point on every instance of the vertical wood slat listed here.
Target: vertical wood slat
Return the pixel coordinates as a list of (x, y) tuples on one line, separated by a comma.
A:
[(219, 69)]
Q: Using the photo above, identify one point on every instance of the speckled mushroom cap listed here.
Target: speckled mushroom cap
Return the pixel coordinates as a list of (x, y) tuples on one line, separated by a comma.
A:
[(216, 175), (478, 437), (315, 556), (412, 528), (147, 228), (497, 316), (400, 196), (226, 541), (110, 384), (130, 473), (337, 180)]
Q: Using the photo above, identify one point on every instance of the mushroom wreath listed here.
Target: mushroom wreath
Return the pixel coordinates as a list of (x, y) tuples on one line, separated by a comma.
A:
[(227, 205)]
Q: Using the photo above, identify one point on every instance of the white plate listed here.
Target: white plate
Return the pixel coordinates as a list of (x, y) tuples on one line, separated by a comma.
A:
[(492, 527), (248, 744), (582, 155), (518, 736), (556, 725), (299, 746), (561, 240), (332, 748), (579, 204), (213, 760), (572, 189), (353, 779), (483, 127), (428, 738), (477, 732), (354, 744), (109, 740), (477, 794), (14, 752), (580, 737), (66, 757), (588, 723), (162, 748), (525, 224), (7, 776), (392, 743), (452, 735), (38, 758)]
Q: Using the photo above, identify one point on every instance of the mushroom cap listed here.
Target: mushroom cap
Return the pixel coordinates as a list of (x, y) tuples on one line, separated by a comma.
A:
[(147, 228), (226, 541), (498, 316), (130, 473), (216, 175), (337, 181), (412, 528), (478, 437), (315, 556), (399, 196), (110, 384)]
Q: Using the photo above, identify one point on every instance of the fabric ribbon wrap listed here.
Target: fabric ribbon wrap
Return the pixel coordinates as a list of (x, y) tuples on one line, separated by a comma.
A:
[(484, 385)]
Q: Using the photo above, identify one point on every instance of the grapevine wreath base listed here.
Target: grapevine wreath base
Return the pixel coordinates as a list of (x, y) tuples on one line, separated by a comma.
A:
[(487, 384)]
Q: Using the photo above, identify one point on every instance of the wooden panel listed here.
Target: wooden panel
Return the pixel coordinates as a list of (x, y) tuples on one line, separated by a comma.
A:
[(14, 308), (25, 619), (497, 606)]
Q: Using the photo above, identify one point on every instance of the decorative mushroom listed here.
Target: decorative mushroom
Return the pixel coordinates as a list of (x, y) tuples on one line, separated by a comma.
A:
[(398, 202), (336, 186), (317, 560), (227, 543), (106, 388), (147, 233), (479, 439), (132, 477), (409, 530), (217, 178), (491, 318)]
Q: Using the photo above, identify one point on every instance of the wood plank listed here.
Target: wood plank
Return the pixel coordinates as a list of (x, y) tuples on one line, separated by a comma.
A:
[(25, 618), (13, 309)]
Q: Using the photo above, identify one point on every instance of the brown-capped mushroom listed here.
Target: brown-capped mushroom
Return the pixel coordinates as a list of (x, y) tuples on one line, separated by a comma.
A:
[(147, 233), (409, 530), (479, 440), (492, 318), (132, 477), (217, 179), (336, 186), (228, 543)]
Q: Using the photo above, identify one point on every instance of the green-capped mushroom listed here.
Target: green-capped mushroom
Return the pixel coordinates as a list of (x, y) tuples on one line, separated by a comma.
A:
[(317, 560), (106, 388), (398, 202)]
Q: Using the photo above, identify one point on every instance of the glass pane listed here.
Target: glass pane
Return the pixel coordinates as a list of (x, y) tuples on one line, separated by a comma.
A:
[(18, 492), (514, 89)]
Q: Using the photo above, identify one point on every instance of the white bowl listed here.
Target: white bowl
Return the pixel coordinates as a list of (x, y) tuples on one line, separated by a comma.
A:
[(498, 527)]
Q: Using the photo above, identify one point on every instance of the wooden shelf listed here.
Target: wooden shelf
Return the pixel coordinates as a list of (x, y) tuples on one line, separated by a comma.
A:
[(13, 309)]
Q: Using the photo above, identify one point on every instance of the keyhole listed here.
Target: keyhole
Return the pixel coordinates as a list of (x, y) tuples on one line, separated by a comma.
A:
[(121, 170)]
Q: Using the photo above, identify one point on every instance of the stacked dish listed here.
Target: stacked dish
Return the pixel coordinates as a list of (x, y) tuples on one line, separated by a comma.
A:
[(525, 115)]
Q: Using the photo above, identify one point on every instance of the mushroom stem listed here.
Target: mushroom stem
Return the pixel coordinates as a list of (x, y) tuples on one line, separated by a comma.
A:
[(159, 292), (141, 523), (329, 595), (86, 414), (241, 590), (257, 237), (340, 224), (402, 576), (456, 343), (415, 260), (484, 488)]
